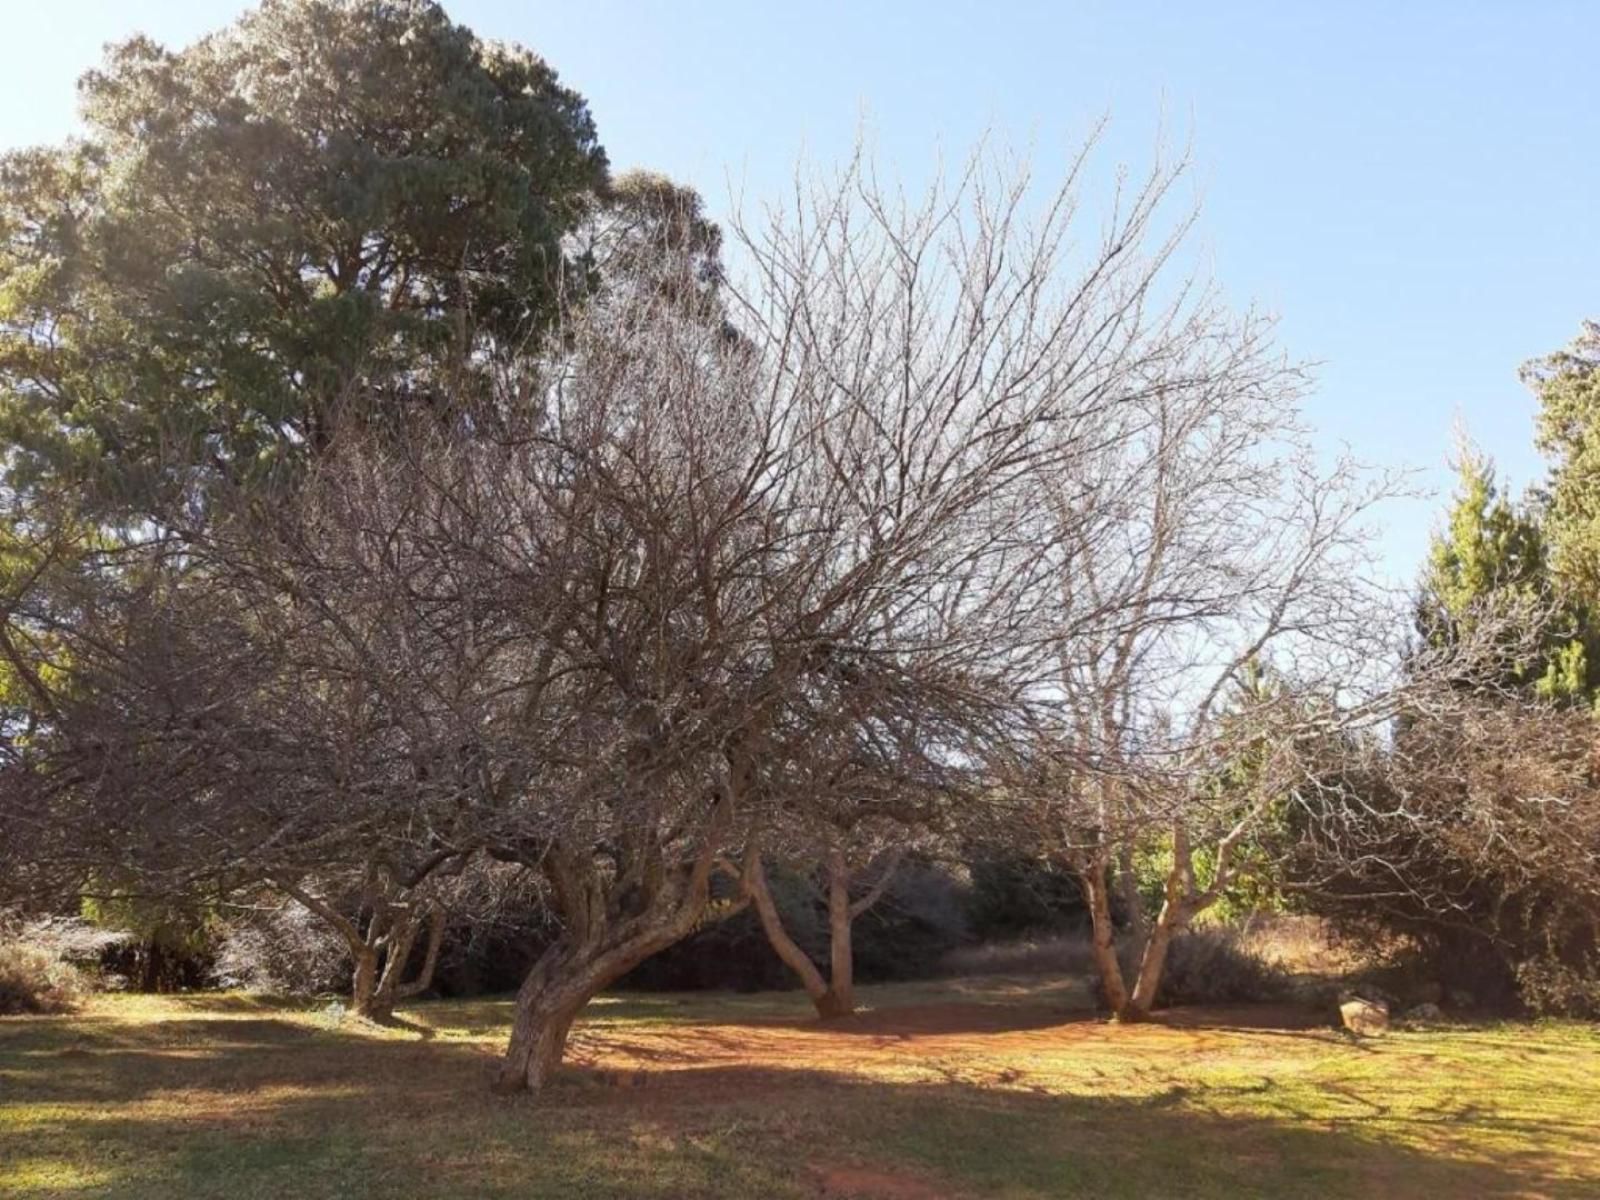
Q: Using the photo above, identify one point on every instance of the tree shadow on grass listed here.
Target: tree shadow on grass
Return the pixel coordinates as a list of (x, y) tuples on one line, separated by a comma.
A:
[(270, 1108)]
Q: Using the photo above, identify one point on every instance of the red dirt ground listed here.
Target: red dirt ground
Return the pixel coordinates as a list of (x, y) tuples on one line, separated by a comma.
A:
[(1007, 1046)]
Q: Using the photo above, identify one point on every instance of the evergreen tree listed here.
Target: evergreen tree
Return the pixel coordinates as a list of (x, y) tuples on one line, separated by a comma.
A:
[(1493, 549), (332, 204)]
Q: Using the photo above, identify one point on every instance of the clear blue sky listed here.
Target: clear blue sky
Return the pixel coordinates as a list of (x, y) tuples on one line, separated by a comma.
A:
[(1413, 187)]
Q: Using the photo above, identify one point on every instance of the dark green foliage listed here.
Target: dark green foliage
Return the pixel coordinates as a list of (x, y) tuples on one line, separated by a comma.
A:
[(1567, 384), (1015, 896), (1493, 556), (333, 203)]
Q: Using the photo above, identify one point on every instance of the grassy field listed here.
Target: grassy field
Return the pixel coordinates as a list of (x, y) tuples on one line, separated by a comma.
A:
[(975, 1088)]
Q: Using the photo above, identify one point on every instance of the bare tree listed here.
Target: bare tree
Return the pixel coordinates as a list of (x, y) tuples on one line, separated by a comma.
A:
[(850, 856), (699, 577), (1216, 620), (1475, 831)]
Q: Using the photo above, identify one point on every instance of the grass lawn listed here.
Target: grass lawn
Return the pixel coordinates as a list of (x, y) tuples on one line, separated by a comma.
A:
[(958, 1089)]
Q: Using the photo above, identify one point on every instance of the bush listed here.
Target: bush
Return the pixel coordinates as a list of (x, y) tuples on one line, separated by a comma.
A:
[(1015, 898), (39, 963), (284, 950), (32, 980), (1214, 965), (1477, 841), (921, 918), (1554, 988), (158, 944)]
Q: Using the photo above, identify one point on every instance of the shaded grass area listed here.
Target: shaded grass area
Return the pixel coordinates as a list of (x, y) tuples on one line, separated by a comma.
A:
[(972, 1088)]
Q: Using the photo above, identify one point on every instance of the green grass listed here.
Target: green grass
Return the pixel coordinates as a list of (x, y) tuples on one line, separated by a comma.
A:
[(989, 1088)]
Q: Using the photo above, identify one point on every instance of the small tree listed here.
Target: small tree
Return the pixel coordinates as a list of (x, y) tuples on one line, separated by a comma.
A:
[(855, 871), (1491, 555), (1201, 547)]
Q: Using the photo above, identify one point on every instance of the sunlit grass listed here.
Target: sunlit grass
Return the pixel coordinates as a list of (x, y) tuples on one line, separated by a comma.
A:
[(963, 1088)]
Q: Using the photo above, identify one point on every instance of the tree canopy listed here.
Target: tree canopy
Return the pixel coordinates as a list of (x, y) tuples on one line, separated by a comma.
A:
[(331, 203)]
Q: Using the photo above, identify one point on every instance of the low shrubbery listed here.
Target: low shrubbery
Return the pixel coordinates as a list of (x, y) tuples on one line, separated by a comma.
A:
[(34, 981), (284, 950), (48, 966), (1217, 965), (1209, 965), (1048, 954)]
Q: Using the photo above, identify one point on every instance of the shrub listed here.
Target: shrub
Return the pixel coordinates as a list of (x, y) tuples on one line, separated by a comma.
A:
[(920, 919), (284, 950), (1016, 898), (158, 944), (32, 980), (1553, 988), (1061, 954), (1477, 840), (1304, 944), (1214, 965), (39, 963)]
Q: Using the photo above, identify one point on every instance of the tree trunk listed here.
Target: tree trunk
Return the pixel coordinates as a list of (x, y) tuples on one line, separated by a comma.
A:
[(364, 988), (1151, 964), (797, 960), (841, 996), (430, 959), (397, 953), (1178, 905), (598, 948), (1095, 887), (833, 996), (548, 1002)]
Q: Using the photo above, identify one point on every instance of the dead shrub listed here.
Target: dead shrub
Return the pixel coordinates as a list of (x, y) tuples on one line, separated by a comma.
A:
[(33, 980), (48, 965), (282, 951)]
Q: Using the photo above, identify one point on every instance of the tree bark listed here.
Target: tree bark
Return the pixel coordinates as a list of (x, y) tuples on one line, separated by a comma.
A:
[(396, 954), (364, 986), (599, 946), (401, 940), (1182, 899), (1152, 962), (548, 1002), (430, 959), (797, 960), (1104, 935), (833, 996), (841, 997)]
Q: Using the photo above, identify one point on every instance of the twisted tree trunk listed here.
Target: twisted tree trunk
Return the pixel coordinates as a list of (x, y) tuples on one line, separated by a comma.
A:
[(607, 933), (841, 947), (397, 956), (1182, 899), (827, 1002)]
